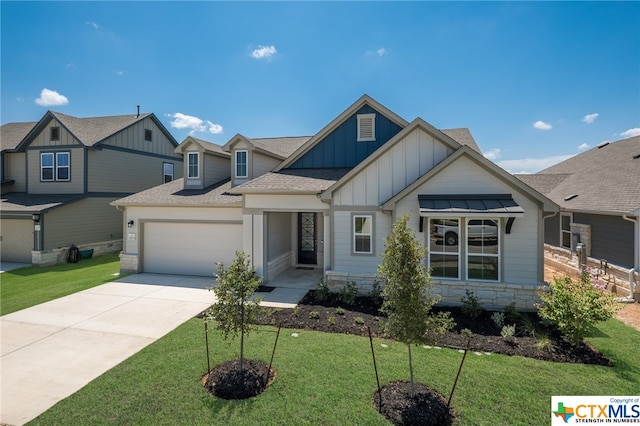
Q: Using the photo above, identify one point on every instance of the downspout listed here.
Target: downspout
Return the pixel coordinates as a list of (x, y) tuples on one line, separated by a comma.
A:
[(636, 257)]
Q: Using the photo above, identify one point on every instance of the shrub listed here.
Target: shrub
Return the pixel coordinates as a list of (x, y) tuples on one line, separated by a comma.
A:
[(359, 320), (511, 315), (507, 332), (340, 311), (348, 293), (331, 320), (314, 315), (296, 311), (498, 319), (376, 292), (322, 292), (576, 306), (471, 306)]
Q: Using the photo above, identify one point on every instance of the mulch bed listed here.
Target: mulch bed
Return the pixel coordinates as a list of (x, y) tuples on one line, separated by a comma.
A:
[(333, 316), (426, 407), (226, 381)]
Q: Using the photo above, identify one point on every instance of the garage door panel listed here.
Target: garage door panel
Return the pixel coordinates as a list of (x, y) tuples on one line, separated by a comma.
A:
[(189, 249), (17, 240)]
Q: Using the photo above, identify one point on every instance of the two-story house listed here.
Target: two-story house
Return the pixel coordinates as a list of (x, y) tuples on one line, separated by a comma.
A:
[(60, 174), (328, 202)]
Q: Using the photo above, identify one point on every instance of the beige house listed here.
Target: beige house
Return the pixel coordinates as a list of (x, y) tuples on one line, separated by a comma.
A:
[(60, 174), (328, 201)]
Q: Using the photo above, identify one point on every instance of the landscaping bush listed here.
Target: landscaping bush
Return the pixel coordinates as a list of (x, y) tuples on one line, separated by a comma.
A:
[(575, 307)]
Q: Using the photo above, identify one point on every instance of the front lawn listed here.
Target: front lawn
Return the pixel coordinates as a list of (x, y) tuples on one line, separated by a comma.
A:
[(25, 287), (325, 378)]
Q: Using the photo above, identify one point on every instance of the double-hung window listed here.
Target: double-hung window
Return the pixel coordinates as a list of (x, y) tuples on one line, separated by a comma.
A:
[(241, 164), (55, 166), (469, 245), (193, 165), (363, 234), (565, 230)]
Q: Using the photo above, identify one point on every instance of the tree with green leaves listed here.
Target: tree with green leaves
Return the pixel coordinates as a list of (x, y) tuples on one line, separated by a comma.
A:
[(235, 310), (407, 299)]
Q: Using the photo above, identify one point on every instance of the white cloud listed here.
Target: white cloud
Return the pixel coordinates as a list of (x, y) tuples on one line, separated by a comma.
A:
[(583, 146), (542, 125), (631, 133), (264, 52), (94, 24), (531, 165), (378, 52), (492, 154), (51, 98), (120, 73), (590, 118), (183, 121)]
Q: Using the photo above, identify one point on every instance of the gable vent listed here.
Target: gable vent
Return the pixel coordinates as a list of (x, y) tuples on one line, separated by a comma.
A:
[(366, 127)]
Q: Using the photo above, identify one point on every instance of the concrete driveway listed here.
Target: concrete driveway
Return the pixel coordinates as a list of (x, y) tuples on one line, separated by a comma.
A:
[(51, 350)]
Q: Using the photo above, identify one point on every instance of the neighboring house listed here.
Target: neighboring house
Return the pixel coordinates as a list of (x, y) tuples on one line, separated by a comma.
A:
[(328, 202), (60, 174), (599, 196)]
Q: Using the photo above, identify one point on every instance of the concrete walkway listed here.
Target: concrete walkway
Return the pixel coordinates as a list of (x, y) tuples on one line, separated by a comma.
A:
[(51, 350)]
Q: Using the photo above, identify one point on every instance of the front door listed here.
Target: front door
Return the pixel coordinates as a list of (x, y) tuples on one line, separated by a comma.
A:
[(307, 253)]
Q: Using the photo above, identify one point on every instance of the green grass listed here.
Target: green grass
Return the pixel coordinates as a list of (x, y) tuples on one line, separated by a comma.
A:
[(329, 379), (25, 287)]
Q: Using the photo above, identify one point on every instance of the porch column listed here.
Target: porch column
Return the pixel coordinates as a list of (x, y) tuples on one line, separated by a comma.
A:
[(327, 240), (253, 239)]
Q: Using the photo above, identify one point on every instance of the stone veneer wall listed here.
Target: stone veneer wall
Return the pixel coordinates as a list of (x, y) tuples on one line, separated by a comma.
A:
[(59, 255), (129, 263), (492, 296)]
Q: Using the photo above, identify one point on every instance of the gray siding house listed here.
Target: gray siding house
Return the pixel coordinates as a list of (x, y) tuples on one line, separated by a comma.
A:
[(60, 174), (327, 203)]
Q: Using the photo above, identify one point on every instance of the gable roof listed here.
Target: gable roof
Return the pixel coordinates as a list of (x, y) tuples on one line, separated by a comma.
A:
[(466, 151), (315, 139), (209, 147), (300, 181), (463, 137), (92, 131), (604, 179), (280, 148), (11, 134)]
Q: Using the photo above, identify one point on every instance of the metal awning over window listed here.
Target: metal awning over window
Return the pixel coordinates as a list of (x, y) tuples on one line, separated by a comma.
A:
[(478, 205)]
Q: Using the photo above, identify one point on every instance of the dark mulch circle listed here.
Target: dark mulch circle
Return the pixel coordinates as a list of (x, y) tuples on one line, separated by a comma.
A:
[(426, 408), (226, 381)]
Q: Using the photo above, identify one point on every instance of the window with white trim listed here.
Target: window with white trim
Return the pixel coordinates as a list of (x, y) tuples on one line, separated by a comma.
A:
[(444, 248), (565, 230), (241, 164), (363, 234), (193, 165), (366, 127), (55, 166), (167, 172), (479, 258)]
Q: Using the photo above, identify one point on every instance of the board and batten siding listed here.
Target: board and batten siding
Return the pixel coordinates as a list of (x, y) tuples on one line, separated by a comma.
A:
[(126, 172), (132, 138), (520, 249), (15, 170), (86, 221), (611, 238), (74, 186), (43, 139), (394, 170), (340, 148)]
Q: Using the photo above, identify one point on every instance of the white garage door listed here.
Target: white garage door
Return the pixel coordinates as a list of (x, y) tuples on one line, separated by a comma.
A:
[(189, 249), (16, 241)]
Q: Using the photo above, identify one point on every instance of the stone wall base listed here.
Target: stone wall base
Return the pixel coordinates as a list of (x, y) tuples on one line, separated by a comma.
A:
[(129, 264), (59, 255)]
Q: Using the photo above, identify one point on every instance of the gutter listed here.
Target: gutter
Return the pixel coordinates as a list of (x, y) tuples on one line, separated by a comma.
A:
[(636, 256)]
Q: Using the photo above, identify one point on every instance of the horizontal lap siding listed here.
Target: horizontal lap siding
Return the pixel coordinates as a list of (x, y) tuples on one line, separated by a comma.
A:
[(74, 186), (216, 169), (611, 238), (87, 221), (344, 260), (15, 170)]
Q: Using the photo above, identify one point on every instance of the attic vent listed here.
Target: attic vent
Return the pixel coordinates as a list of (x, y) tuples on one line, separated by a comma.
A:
[(366, 127), (635, 157), (570, 197), (603, 144)]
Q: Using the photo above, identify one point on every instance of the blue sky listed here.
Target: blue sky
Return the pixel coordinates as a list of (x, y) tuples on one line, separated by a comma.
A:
[(534, 82)]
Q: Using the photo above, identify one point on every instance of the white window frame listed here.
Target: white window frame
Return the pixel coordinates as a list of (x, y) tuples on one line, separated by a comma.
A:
[(196, 155), (497, 255), (356, 234), (55, 166), (165, 174), (59, 167), (444, 252), (246, 163), (366, 121), (567, 231)]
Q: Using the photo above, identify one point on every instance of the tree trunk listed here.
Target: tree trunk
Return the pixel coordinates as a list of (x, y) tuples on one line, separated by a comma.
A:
[(242, 342), (413, 390)]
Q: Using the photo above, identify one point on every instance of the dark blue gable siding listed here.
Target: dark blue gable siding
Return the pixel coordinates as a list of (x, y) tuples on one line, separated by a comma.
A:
[(340, 148)]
